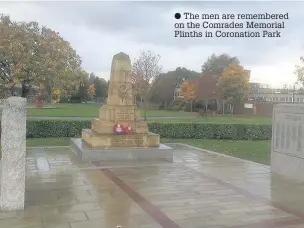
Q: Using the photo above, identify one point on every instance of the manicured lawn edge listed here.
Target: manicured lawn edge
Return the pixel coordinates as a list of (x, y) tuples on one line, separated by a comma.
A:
[(257, 151)]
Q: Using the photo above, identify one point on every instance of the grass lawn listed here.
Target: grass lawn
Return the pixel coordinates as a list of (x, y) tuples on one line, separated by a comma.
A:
[(218, 120), (257, 151), (91, 110), (62, 110)]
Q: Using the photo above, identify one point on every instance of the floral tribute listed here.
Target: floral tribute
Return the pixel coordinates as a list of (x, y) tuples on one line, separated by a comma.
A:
[(119, 129), (129, 130)]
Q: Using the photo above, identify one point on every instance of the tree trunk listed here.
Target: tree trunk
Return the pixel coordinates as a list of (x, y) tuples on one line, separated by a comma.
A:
[(223, 102), (191, 106), (24, 90), (218, 105), (206, 108), (232, 106), (12, 91)]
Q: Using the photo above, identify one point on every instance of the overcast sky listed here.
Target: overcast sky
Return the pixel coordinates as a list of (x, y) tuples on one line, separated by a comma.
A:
[(98, 30)]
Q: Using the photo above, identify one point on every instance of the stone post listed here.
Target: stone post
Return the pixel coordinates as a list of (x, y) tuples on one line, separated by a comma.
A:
[(13, 143)]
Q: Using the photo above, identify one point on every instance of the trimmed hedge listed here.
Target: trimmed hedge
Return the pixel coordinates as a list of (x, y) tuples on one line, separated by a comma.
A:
[(55, 128), (70, 128), (211, 131)]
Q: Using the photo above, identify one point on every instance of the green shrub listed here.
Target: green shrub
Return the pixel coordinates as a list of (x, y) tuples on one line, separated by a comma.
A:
[(55, 128), (212, 131), (71, 128)]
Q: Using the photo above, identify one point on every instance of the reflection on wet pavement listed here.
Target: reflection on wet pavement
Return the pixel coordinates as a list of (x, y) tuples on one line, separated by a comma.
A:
[(199, 189)]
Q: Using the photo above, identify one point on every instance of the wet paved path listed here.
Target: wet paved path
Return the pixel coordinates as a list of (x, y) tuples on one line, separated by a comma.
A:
[(199, 190)]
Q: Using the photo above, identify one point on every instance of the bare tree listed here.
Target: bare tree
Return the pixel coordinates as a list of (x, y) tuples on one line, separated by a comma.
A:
[(144, 71), (299, 71)]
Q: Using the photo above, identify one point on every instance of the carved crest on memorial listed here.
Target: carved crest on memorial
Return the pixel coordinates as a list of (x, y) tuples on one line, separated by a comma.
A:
[(123, 89)]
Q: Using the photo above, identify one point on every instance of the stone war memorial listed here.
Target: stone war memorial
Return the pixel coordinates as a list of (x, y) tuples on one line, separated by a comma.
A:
[(287, 149), (119, 133)]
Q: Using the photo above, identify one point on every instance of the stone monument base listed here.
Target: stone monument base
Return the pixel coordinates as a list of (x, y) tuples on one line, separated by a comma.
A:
[(88, 154), (105, 141)]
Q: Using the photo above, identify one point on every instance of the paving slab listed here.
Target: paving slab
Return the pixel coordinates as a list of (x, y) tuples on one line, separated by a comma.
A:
[(199, 189)]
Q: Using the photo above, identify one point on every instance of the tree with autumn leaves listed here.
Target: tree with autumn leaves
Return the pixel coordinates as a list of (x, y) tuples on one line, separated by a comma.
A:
[(34, 55), (91, 91), (189, 92), (233, 84), (56, 96)]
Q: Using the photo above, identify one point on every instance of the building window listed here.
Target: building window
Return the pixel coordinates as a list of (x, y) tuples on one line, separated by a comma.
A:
[(298, 100), (290, 99)]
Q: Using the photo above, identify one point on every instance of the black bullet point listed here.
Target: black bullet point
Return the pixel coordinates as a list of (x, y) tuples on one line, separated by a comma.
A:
[(177, 16)]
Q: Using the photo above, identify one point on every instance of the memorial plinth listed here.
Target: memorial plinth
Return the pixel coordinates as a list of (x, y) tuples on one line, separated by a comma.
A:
[(118, 125), (287, 150)]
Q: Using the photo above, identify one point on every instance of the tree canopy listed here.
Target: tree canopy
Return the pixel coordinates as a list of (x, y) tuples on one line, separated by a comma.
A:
[(164, 85), (188, 91), (101, 86), (217, 64), (234, 83), (38, 55), (299, 71), (183, 74)]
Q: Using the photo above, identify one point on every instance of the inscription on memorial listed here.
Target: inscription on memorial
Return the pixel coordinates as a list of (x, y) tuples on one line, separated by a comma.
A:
[(294, 134), (130, 141), (283, 136), (299, 144), (141, 124), (277, 135), (288, 137), (292, 137), (293, 117), (288, 133), (125, 113)]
